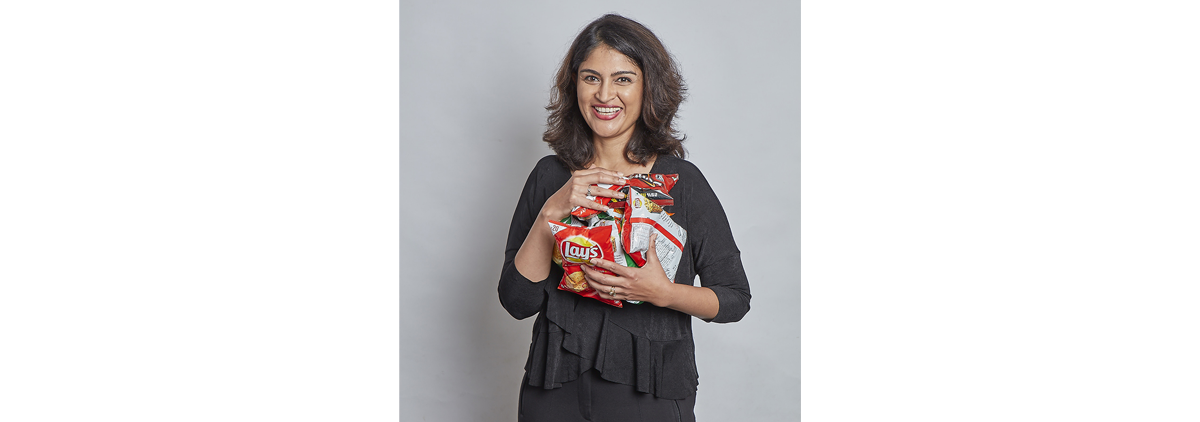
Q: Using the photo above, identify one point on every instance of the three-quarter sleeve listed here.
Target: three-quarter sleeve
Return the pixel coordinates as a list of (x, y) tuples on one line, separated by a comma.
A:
[(717, 259), (520, 296), (644, 346)]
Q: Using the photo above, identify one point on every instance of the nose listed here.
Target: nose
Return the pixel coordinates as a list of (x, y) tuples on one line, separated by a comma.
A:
[(605, 93)]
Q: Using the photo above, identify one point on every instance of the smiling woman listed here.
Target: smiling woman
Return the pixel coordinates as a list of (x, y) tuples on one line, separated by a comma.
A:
[(610, 95), (611, 116), (615, 45)]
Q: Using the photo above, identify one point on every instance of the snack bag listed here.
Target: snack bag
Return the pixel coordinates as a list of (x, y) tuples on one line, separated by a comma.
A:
[(656, 181), (643, 217), (577, 246), (566, 221), (586, 213), (622, 258), (654, 186), (618, 250)]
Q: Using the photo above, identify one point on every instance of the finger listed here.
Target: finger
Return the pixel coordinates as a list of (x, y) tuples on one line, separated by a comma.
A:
[(591, 172), (592, 197), (593, 169), (594, 285), (614, 267), (605, 289), (579, 199), (610, 178), (652, 253), (613, 172), (607, 193), (581, 184), (598, 279)]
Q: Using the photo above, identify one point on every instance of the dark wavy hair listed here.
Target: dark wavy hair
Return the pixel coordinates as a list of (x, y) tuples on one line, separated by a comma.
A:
[(663, 90)]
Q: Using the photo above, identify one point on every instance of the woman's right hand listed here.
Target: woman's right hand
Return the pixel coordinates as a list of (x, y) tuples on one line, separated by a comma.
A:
[(574, 192), (533, 259)]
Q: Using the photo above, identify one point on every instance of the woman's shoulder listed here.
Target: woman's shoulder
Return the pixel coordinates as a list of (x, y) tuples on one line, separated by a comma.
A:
[(550, 165), (549, 161), (549, 172), (668, 164)]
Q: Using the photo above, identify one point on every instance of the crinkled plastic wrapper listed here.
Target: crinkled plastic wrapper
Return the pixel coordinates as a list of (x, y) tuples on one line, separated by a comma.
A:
[(628, 224), (640, 222), (578, 246)]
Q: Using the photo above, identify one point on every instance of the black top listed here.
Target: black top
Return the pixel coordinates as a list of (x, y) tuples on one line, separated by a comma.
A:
[(641, 345)]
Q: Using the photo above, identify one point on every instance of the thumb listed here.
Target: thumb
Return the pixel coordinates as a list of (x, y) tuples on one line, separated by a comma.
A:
[(652, 253)]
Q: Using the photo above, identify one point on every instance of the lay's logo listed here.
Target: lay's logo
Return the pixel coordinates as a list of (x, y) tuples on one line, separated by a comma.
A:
[(579, 249)]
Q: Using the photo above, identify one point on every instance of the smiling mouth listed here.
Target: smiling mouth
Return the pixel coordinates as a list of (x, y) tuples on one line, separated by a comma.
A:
[(606, 113)]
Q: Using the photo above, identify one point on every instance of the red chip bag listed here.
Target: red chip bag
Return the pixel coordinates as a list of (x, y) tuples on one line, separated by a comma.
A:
[(578, 246), (656, 181), (573, 278), (586, 213), (654, 186)]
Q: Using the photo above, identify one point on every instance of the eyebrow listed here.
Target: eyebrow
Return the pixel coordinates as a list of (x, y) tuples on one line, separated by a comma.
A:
[(619, 72)]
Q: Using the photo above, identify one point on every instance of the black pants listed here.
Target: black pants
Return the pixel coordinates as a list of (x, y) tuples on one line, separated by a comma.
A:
[(594, 399)]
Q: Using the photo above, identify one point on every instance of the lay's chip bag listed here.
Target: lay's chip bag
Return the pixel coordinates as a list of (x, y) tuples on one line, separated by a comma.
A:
[(577, 246)]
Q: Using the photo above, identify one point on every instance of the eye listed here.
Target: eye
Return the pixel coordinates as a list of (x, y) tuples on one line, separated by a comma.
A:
[(624, 80), (590, 78)]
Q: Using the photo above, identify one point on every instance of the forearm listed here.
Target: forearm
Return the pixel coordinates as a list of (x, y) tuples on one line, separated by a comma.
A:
[(700, 302), (520, 290), (533, 259)]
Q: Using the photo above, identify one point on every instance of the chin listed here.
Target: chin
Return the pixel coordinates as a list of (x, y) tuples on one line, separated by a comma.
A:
[(608, 132)]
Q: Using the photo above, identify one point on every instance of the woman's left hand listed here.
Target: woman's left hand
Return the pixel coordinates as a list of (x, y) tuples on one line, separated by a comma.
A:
[(648, 283)]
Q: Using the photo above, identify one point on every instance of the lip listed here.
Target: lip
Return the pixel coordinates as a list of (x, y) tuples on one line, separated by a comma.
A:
[(602, 116)]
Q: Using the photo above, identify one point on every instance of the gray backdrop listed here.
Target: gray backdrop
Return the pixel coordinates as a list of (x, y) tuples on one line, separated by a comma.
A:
[(474, 81)]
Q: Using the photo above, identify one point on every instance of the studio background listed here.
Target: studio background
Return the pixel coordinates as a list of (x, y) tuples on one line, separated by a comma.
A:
[(474, 81)]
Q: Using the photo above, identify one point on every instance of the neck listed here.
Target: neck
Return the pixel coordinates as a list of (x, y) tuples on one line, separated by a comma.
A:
[(610, 154)]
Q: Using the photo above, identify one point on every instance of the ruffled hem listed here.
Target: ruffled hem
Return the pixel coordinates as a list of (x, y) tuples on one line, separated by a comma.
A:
[(664, 368)]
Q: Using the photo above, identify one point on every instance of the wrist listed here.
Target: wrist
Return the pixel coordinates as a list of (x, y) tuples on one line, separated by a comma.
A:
[(546, 215), (666, 297)]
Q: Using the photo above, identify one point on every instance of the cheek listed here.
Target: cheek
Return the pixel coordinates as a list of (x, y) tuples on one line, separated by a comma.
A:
[(636, 96), (634, 100), (580, 100)]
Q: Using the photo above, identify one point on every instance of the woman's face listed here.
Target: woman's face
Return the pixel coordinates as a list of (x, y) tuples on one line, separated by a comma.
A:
[(610, 94)]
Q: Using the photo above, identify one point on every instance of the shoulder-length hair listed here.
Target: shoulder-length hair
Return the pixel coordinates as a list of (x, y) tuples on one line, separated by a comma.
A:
[(662, 91)]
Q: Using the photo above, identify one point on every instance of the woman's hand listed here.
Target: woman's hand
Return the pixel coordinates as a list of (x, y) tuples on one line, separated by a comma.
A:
[(533, 259), (648, 283), (574, 193)]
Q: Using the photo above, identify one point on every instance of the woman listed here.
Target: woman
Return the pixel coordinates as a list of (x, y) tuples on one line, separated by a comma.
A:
[(612, 115)]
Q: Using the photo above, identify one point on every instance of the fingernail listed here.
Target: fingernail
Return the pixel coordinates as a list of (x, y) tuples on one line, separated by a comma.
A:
[(620, 195)]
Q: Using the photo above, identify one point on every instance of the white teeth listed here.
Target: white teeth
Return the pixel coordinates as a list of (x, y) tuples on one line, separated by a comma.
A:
[(607, 110)]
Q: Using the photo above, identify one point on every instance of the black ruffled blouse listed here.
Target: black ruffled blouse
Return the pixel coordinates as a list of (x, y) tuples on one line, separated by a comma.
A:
[(640, 345)]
